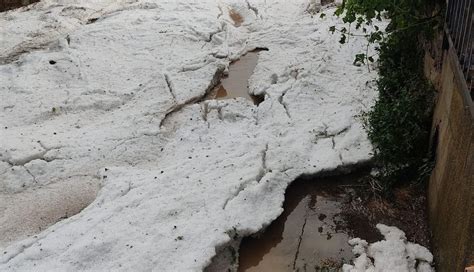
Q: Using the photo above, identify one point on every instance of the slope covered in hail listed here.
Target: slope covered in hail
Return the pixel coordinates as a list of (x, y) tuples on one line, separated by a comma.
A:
[(108, 94)]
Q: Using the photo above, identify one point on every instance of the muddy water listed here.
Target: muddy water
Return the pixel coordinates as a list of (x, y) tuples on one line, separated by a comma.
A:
[(236, 83), (321, 214), (308, 235)]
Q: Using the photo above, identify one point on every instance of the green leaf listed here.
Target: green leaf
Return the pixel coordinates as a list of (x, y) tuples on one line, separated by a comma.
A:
[(343, 39), (359, 59), (322, 15), (332, 29), (339, 11), (375, 36)]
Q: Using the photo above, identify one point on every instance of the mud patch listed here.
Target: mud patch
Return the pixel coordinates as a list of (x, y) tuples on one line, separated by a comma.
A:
[(236, 17), (321, 214), (406, 210), (236, 83)]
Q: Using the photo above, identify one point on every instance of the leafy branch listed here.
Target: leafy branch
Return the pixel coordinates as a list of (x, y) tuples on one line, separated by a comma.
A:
[(399, 123), (404, 15)]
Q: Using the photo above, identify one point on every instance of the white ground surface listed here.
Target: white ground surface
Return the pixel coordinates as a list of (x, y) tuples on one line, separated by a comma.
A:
[(394, 253), (117, 110)]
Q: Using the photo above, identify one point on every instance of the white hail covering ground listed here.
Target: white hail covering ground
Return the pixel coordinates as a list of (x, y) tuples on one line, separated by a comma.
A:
[(393, 253), (106, 94)]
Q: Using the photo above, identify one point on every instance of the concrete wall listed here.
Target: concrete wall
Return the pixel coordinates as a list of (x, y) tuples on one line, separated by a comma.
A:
[(451, 188)]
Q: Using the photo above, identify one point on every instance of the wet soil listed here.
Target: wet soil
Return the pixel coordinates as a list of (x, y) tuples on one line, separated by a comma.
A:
[(321, 214), (236, 83)]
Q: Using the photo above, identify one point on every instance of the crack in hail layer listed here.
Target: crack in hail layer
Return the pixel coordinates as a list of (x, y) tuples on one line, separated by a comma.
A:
[(218, 31), (31, 174), (176, 107), (204, 111), (170, 87), (252, 8), (37, 156), (325, 134), (284, 104), (221, 12), (241, 187), (263, 170)]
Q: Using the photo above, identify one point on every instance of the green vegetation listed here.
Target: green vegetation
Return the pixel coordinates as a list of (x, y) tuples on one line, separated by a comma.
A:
[(399, 123)]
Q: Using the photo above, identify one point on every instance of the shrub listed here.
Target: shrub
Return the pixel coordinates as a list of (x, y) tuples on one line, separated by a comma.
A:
[(399, 123)]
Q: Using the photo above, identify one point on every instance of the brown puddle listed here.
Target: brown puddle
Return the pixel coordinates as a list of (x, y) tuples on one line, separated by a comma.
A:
[(320, 216), (305, 235), (236, 83)]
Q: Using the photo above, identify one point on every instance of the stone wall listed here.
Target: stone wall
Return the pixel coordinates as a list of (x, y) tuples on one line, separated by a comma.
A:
[(451, 187)]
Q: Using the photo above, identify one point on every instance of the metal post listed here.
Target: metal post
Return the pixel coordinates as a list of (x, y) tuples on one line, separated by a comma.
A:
[(455, 30), (467, 43), (458, 25), (462, 22)]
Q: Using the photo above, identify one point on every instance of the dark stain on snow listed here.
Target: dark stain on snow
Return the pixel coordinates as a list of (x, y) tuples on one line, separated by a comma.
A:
[(91, 20), (236, 17)]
